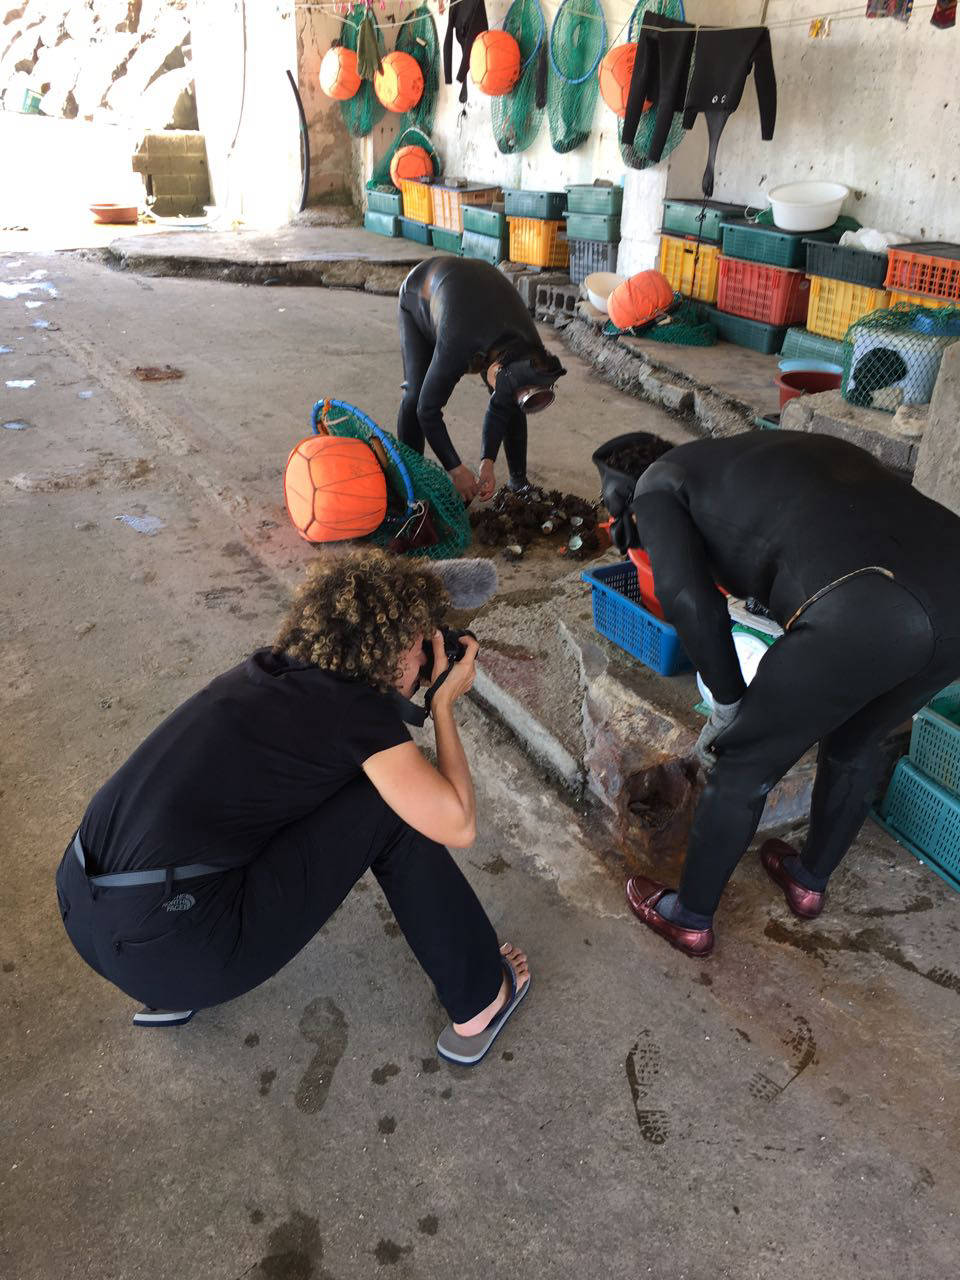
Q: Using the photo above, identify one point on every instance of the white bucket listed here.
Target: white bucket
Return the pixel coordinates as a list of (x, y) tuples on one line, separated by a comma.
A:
[(807, 206), (751, 650)]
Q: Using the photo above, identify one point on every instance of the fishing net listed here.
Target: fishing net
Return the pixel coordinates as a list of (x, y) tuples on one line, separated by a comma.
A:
[(578, 41), (686, 326), (892, 357), (364, 110), (516, 116), (410, 137), (418, 37), (635, 156), (411, 480)]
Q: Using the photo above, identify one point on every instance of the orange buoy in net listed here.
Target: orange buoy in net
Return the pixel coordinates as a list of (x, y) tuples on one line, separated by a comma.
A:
[(495, 62), (615, 72), (640, 299), (334, 488), (339, 77), (399, 86), (410, 163)]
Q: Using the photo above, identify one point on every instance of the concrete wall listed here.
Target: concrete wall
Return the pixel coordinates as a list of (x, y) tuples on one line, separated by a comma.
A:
[(334, 160)]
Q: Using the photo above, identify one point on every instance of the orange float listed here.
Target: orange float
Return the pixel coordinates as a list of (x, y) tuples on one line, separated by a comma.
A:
[(399, 86), (615, 72), (640, 299), (495, 62), (334, 489), (339, 77), (410, 163)]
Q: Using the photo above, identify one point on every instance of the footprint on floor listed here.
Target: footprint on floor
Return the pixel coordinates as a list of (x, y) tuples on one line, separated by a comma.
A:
[(323, 1024), (763, 1088), (294, 1252), (266, 1081), (643, 1071)]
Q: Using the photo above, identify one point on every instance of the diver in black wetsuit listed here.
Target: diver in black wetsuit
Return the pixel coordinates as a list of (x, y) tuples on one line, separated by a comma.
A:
[(861, 570), (458, 316)]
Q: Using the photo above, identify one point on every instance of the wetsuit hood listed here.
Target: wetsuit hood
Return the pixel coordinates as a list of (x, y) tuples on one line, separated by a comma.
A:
[(527, 378)]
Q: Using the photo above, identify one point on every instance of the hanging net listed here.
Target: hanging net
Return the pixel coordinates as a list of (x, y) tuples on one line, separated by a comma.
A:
[(892, 357), (578, 41), (418, 37), (516, 116), (635, 156), (686, 326), (411, 481), (364, 110), (411, 137)]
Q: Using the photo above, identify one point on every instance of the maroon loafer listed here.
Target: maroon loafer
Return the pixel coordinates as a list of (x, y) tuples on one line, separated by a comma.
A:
[(803, 902), (642, 898)]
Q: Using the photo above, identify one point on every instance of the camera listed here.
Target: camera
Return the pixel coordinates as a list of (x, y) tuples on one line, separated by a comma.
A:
[(452, 646)]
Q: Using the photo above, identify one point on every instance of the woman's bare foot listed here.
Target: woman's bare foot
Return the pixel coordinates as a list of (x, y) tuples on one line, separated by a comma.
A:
[(518, 962)]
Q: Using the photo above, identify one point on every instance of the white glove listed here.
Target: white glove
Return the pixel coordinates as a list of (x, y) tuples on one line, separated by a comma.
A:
[(721, 717)]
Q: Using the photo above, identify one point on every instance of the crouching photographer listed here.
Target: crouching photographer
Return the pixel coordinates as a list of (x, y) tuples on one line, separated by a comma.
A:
[(221, 847)]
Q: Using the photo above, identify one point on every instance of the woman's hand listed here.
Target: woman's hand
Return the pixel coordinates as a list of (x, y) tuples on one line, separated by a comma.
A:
[(461, 675), (465, 482), (488, 481)]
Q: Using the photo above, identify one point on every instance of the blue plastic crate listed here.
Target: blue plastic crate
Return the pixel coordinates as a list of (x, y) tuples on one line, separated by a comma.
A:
[(935, 739), (618, 615), (925, 819)]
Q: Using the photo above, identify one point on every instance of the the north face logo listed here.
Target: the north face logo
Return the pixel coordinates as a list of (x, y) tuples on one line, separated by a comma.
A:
[(182, 902)]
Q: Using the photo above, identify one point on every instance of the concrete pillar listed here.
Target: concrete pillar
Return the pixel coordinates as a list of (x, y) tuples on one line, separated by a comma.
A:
[(643, 195), (937, 472)]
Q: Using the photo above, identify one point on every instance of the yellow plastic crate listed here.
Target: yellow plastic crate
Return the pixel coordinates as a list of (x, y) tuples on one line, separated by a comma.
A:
[(836, 304), (448, 203), (677, 258), (921, 300), (538, 243), (417, 200)]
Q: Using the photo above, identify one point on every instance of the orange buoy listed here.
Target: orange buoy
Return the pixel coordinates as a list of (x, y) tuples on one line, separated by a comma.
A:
[(399, 86), (615, 72), (339, 77), (334, 488), (640, 299), (495, 62), (410, 163)]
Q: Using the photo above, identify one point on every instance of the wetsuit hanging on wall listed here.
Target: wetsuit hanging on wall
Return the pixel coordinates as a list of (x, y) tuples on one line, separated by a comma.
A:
[(468, 19)]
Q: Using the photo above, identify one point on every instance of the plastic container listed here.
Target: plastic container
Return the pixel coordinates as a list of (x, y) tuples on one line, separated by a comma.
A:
[(772, 295), (751, 649), (932, 268), (806, 382), (807, 206), (412, 229), (841, 262), (381, 224), (836, 304), (492, 249), (537, 242), (683, 217), (547, 205), (594, 226), (385, 202), (766, 338), (449, 203), (417, 200), (599, 286), (618, 615), (921, 300), (811, 366), (120, 214), (485, 219), (594, 199), (925, 818), (445, 239), (935, 739), (801, 344), (589, 256), (921, 354), (690, 268)]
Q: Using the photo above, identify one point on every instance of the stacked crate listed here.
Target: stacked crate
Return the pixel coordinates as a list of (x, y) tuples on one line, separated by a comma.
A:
[(593, 228), (417, 209), (924, 275), (485, 233), (538, 237), (761, 285), (690, 245), (382, 214), (451, 200), (845, 284)]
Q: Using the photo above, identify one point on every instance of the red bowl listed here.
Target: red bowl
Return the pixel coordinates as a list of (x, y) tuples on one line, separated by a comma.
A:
[(806, 382), (123, 214)]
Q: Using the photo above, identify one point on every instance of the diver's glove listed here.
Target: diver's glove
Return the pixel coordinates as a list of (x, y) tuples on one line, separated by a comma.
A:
[(721, 718)]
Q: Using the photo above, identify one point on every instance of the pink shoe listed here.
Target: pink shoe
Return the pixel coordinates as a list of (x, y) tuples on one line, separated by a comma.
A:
[(803, 902), (642, 898)]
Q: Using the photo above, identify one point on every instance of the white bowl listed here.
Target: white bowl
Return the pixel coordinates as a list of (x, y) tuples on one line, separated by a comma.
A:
[(599, 287), (807, 206)]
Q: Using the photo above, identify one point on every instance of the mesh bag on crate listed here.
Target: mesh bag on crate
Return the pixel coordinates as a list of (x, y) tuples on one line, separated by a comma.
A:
[(364, 110), (578, 41), (516, 116), (635, 156), (892, 357)]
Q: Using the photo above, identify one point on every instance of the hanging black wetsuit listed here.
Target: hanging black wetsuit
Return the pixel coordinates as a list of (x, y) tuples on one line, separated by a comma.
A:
[(781, 516), (455, 315), (467, 20)]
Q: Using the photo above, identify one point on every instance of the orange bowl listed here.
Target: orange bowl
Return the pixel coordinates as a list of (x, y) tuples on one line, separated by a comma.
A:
[(127, 214)]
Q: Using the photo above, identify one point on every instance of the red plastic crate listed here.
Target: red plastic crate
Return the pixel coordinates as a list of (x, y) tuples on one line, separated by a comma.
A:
[(933, 269), (773, 295)]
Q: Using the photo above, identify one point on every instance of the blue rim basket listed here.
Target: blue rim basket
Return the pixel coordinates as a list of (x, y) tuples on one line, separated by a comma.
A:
[(925, 818), (619, 615)]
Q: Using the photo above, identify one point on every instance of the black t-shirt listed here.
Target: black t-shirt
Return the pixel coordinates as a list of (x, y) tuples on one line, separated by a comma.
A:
[(259, 748)]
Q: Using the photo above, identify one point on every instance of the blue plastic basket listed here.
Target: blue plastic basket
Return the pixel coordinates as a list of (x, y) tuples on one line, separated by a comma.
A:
[(618, 615), (935, 739), (924, 818)]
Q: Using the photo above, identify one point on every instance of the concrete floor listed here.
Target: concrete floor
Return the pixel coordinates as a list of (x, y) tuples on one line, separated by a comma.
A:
[(785, 1109)]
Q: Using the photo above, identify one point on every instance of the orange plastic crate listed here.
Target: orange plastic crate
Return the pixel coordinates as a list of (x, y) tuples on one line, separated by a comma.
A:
[(921, 300), (417, 200), (448, 203), (538, 243), (919, 268), (836, 304), (689, 272), (755, 291)]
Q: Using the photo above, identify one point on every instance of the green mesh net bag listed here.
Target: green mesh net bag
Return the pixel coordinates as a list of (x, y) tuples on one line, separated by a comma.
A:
[(578, 41), (686, 326), (364, 110), (411, 481), (635, 156), (418, 37), (516, 116), (892, 357), (409, 137)]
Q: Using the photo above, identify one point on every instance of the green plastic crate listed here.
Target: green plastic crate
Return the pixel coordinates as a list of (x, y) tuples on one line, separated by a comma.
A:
[(935, 739), (413, 230), (842, 262), (766, 338), (682, 217), (382, 224), (763, 244), (801, 344), (592, 199), (492, 249), (925, 819), (485, 219), (594, 226), (385, 201), (445, 239), (548, 205)]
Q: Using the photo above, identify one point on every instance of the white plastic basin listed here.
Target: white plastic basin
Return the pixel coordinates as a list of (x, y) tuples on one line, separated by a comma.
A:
[(807, 206), (599, 287)]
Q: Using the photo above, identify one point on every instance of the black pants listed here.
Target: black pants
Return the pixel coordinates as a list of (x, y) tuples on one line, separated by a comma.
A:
[(247, 923), (857, 664)]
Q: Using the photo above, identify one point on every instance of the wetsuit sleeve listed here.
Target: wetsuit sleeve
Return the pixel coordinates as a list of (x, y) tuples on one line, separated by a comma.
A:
[(442, 376), (766, 83), (686, 590)]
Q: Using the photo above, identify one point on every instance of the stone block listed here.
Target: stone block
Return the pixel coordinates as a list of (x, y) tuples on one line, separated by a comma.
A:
[(869, 429), (938, 456)]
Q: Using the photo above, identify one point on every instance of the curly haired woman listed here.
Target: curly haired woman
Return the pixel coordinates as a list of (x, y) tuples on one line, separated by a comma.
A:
[(229, 837)]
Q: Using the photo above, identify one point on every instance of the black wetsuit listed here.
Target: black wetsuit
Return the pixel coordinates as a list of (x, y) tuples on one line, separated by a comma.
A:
[(780, 516), (455, 314)]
